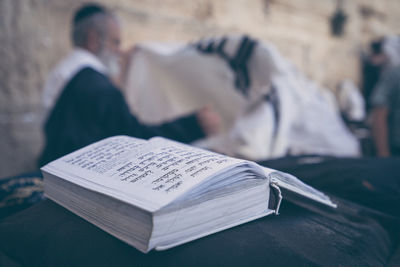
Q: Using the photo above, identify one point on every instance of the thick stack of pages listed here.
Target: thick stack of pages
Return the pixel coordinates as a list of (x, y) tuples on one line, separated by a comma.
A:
[(160, 193)]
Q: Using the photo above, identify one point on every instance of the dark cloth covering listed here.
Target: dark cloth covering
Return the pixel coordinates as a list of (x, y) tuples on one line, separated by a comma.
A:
[(91, 108), (302, 235), (49, 235)]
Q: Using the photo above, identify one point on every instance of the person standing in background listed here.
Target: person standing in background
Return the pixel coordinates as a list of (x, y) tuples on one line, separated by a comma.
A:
[(83, 102), (385, 103)]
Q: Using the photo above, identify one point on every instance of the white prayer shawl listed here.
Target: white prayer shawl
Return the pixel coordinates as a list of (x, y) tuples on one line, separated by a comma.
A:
[(350, 101), (169, 80), (75, 61)]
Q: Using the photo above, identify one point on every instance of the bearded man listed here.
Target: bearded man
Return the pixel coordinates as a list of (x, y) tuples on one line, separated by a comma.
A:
[(85, 103)]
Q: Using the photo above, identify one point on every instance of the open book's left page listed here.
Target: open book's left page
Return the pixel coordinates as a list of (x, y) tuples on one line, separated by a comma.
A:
[(147, 174)]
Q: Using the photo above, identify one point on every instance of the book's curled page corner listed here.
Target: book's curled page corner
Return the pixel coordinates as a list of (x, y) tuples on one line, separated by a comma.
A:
[(275, 198), (294, 185)]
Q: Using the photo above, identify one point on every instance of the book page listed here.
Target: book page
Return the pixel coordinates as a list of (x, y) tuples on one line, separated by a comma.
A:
[(293, 184), (149, 174)]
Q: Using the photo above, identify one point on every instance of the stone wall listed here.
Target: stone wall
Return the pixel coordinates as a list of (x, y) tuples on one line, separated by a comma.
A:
[(34, 35)]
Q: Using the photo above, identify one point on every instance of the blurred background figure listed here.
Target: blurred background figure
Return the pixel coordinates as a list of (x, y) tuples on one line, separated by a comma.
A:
[(383, 54), (381, 90), (373, 63), (268, 107), (96, 40), (385, 102), (87, 104)]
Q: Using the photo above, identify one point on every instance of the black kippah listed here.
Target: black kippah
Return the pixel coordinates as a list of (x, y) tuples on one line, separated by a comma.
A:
[(86, 11)]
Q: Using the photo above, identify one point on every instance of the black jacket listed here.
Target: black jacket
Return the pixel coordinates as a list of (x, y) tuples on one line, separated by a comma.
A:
[(91, 108)]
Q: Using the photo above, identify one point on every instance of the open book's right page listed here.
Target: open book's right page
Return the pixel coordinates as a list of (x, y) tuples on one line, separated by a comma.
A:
[(293, 184)]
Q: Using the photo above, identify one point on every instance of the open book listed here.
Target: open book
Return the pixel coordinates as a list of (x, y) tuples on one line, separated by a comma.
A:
[(160, 193)]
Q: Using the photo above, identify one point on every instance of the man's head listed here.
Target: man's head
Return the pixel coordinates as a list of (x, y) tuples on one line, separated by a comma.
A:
[(96, 29)]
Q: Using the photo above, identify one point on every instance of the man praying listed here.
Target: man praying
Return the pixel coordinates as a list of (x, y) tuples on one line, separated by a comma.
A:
[(84, 102)]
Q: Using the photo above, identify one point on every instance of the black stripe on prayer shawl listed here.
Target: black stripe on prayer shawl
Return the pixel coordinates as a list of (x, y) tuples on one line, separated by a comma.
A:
[(238, 64), (272, 97)]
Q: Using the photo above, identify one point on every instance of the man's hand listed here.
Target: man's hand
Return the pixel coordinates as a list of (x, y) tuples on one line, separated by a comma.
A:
[(125, 57), (209, 120)]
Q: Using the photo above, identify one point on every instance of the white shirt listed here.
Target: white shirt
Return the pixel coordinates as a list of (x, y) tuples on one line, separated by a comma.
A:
[(59, 77)]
